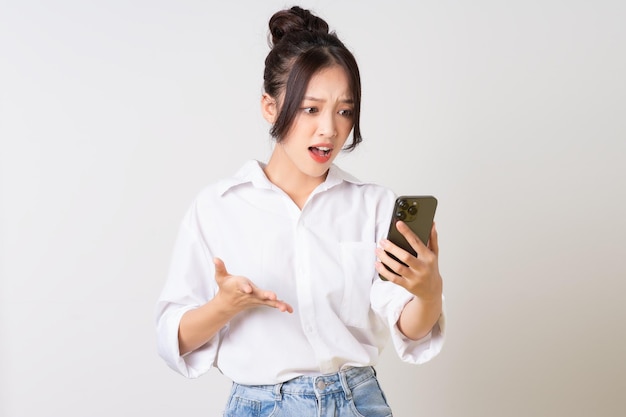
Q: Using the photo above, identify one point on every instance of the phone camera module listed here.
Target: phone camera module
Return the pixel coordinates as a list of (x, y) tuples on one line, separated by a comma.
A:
[(412, 210), (403, 204), (400, 215)]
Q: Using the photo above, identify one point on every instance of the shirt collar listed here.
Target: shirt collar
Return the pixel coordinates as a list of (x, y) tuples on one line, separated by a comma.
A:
[(336, 176), (252, 172)]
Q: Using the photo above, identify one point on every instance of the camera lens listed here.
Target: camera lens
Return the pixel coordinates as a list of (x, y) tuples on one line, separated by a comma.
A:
[(400, 215), (403, 204), (412, 210)]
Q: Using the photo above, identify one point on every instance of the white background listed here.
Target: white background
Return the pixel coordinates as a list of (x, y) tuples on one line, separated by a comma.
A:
[(114, 114)]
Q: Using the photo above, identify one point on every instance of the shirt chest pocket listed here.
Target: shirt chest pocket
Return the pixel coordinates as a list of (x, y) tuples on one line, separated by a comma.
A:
[(357, 260)]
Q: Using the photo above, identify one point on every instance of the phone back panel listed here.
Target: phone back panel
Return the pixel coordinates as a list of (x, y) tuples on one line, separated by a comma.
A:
[(418, 213)]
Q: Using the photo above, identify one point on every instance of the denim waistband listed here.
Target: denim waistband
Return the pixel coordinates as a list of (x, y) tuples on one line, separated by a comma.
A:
[(344, 380)]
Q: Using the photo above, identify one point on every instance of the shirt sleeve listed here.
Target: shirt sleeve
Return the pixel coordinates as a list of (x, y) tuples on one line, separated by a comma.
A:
[(190, 284), (388, 301)]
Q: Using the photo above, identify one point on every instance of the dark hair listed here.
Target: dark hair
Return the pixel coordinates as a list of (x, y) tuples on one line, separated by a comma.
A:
[(302, 46)]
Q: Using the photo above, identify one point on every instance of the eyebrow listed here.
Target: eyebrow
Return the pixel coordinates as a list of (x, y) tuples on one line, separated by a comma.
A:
[(345, 100)]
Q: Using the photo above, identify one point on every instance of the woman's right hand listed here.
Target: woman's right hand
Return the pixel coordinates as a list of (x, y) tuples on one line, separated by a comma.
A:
[(238, 293)]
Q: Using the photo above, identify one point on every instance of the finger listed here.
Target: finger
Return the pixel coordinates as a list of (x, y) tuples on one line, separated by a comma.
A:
[(220, 269), (283, 306), (389, 276), (410, 237), (433, 243), (392, 256), (270, 299), (246, 288), (265, 295), (388, 261)]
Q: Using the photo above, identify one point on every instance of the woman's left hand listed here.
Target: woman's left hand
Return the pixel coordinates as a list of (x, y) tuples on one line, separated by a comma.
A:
[(421, 275)]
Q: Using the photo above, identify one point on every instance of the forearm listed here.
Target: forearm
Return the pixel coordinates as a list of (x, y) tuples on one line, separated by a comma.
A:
[(199, 325), (419, 316)]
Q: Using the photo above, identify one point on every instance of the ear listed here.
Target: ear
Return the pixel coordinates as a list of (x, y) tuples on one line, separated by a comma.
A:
[(269, 108)]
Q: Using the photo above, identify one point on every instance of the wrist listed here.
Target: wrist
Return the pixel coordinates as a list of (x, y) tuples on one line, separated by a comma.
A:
[(222, 307)]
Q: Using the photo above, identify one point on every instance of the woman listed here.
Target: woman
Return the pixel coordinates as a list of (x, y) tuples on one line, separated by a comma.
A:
[(300, 227)]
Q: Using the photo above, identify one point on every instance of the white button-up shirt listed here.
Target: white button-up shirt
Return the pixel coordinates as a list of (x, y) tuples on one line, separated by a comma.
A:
[(319, 259)]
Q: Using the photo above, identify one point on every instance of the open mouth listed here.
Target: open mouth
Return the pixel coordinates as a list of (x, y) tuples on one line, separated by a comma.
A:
[(320, 154), (320, 151)]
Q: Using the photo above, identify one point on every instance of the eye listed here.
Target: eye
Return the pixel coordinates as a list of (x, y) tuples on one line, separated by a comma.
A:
[(346, 112), (310, 110)]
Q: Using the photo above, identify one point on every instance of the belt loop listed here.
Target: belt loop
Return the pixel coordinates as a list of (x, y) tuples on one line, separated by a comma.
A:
[(344, 383), (278, 395)]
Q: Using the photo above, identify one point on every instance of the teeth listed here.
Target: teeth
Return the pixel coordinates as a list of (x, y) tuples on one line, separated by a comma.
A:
[(322, 150)]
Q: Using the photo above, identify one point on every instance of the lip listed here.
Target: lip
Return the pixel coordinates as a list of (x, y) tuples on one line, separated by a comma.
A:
[(318, 156)]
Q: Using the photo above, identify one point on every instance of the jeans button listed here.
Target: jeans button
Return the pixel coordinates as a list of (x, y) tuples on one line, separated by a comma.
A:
[(320, 384)]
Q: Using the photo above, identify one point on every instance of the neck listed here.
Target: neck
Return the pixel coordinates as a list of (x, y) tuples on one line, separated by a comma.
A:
[(295, 183)]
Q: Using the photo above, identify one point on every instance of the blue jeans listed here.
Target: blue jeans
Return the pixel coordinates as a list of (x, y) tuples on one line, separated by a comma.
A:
[(353, 392)]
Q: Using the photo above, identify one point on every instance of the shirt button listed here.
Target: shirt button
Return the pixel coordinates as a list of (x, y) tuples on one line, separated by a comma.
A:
[(320, 384)]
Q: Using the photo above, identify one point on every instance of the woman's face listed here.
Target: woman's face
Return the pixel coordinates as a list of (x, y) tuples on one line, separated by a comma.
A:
[(322, 124)]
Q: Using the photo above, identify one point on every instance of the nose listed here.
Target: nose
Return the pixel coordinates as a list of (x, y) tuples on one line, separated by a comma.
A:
[(327, 126)]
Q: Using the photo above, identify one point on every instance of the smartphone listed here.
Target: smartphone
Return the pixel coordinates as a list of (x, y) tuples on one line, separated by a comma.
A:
[(418, 212)]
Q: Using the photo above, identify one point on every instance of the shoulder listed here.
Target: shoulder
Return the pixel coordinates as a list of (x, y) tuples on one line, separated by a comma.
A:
[(352, 191), (249, 173), (368, 189), (217, 200)]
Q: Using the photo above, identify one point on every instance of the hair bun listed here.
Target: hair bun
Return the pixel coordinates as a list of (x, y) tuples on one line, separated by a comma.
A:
[(295, 19)]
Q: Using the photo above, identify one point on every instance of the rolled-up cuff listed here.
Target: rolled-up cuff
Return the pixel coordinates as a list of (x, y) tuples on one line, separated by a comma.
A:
[(191, 365), (421, 350)]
